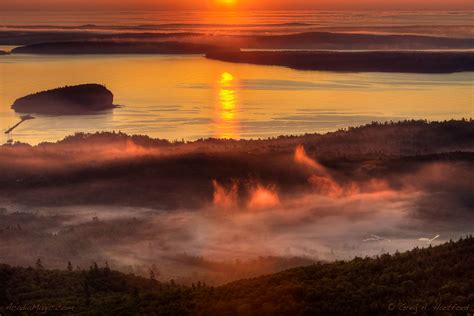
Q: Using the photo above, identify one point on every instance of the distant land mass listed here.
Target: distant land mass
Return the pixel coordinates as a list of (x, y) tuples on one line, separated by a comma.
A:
[(79, 99), (370, 61), (327, 40), (306, 40), (436, 277), (36, 37), (3, 53), (111, 47)]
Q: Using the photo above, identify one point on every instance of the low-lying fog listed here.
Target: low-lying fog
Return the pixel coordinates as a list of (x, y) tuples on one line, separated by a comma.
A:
[(250, 228)]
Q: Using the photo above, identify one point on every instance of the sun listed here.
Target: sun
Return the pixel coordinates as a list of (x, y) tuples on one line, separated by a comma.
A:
[(227, 2)]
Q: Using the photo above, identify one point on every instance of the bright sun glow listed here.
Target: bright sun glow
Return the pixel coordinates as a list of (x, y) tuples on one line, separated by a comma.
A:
[(226, 79), (228, 2)]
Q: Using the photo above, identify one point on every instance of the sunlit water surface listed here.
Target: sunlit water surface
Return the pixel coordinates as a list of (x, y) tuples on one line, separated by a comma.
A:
[(438, 23), (189, 97)]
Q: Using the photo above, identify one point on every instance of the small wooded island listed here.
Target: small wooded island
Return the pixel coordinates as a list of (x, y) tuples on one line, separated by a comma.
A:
[(68, 100)]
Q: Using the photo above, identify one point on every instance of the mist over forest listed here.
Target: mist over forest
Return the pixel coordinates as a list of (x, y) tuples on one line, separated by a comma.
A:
[(220, 210)]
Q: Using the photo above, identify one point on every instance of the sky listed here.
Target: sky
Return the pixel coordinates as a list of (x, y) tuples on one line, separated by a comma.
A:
[(236, 4)]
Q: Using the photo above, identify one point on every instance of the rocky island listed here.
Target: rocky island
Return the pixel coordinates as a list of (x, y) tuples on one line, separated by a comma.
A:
[(68, 100)]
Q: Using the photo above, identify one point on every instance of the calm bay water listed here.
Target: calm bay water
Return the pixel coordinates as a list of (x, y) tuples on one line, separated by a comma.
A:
[(190, 97)]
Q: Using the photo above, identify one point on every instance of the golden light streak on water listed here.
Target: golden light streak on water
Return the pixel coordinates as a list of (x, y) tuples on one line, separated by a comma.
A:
[(227, 122)]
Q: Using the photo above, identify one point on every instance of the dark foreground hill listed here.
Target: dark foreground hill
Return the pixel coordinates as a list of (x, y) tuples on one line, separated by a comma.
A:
[(438, 277), (378, 61), (80, 99), (433, 281)]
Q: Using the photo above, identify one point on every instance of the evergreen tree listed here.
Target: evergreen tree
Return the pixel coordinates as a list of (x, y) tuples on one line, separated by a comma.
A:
[(107, 268), (95, 267), (39, 264), (87, 292)]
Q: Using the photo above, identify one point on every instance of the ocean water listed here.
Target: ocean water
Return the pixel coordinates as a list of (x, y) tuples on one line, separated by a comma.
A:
[(438, 23), (190, 97)]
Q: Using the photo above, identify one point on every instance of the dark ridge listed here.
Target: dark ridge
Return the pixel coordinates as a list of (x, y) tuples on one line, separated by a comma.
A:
[(435, 277), (412, 62), (309, 40), (328, 40), (95, 47), (151, 26), (37, 37), (80, 99), (3, 53), (403, 138)]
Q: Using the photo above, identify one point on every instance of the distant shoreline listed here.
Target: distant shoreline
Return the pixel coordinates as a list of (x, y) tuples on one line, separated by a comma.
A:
[(369, 61), (304, 40), (112, 47), (354, 60)]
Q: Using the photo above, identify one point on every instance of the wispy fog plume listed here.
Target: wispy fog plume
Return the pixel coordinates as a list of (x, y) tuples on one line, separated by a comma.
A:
[(320, 179), (302, 158), (323, 183), (225, 198), (263, 197), (326, 186), (254, 196)]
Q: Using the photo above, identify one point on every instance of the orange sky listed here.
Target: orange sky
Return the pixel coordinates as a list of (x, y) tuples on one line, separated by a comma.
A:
[(240, 4)]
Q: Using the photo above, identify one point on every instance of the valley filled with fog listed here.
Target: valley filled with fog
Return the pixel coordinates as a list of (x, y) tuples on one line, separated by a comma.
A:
[(222, 210)]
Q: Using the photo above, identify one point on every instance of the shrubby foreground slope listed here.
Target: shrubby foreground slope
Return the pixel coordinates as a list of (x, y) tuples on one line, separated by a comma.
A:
[(439, 278)]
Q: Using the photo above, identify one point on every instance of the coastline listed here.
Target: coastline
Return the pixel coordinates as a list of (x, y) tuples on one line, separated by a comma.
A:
[(221, 160), (370, 61), (301, 40)]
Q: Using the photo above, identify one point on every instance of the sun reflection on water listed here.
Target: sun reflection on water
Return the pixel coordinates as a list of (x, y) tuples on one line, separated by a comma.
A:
[(227, 123)]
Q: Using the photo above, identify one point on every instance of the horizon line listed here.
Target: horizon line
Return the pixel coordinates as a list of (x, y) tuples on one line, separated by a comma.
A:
[(247, 10)]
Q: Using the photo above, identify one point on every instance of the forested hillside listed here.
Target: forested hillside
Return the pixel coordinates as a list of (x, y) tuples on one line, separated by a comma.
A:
[(91, 168), (434, 280)]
